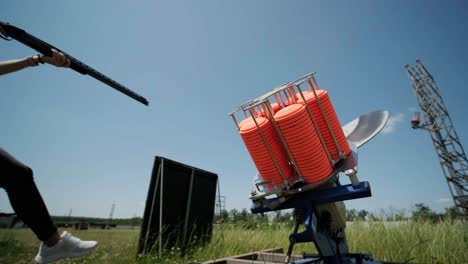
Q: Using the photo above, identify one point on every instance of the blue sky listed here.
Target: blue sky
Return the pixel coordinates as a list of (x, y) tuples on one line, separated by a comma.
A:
[(196, 61)]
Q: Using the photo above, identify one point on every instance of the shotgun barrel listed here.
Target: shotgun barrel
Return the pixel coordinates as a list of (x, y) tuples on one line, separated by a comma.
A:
[(78, 66)]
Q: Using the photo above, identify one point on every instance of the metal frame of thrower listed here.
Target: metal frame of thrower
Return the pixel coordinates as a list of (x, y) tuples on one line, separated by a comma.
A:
[(305, 197)]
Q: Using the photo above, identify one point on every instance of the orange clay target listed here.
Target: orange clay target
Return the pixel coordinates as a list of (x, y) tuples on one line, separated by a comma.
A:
[(308, 152), (265, 162), (332, 118)]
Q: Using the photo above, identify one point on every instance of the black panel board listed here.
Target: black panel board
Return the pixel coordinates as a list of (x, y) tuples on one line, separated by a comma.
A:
[(202, 201), (176, 179)]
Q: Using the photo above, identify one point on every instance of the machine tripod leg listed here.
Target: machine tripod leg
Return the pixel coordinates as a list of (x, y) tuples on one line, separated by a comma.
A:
[(299, 215), (291, 244)]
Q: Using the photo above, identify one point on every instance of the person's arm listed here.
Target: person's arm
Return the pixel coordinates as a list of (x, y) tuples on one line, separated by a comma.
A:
[(57, 59), (16, 65)]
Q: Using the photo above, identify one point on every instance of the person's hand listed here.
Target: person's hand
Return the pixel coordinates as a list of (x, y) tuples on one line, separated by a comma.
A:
[(57, 59)]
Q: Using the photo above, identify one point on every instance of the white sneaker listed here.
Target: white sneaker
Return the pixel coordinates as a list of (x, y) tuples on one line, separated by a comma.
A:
[(67, 247)]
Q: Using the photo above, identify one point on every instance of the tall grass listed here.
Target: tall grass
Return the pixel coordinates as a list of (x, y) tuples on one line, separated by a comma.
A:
[(419, 242)]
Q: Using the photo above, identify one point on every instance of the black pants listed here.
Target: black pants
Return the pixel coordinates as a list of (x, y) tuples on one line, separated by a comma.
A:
[(17, 179)]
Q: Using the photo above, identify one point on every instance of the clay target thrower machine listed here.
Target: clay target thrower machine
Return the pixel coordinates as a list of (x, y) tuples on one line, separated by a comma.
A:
[(300, 149)]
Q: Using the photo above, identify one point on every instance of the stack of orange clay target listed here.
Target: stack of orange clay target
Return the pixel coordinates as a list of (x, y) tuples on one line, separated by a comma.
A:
[(331, 117), (265, 149), (292, 139), (303, 142)]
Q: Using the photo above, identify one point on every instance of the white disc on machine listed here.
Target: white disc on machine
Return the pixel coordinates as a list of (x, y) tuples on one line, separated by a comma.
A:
[(364, 128)]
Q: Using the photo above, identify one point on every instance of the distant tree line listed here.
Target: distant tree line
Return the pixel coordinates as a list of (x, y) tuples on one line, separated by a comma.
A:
[(421, 212), (249, 220), (134, 221), (244, 217)]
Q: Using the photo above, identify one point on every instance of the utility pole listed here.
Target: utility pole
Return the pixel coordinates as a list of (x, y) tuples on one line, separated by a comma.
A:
[(111, 214), (220, 203), (438, 123)]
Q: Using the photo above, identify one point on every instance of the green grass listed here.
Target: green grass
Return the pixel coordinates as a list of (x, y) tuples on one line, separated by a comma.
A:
[(445, 242)]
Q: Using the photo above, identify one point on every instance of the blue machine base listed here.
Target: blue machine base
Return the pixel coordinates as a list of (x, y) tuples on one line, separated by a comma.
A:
[(332, 248), (312, 198)]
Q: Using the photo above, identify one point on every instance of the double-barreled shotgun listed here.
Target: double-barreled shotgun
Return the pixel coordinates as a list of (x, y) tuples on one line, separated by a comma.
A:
[(46, 49)]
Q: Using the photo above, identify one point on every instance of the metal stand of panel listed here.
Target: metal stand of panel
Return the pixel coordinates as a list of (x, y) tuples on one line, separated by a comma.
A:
[(438, 123)]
